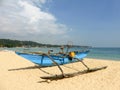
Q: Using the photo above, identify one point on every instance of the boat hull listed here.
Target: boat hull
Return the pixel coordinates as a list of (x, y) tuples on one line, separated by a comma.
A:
[(44, 60)]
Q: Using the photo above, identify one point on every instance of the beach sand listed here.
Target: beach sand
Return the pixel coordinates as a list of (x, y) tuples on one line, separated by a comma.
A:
[(17, 73)]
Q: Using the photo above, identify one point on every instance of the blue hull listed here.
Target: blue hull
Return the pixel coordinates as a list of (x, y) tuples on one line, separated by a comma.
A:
[(44, 60)]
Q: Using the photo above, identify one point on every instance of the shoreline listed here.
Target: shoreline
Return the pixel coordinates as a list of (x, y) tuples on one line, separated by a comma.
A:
[(104, 59), (18, 73), (114, 58)]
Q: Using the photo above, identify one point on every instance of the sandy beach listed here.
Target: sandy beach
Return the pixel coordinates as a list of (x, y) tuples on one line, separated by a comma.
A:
[(17, 73)]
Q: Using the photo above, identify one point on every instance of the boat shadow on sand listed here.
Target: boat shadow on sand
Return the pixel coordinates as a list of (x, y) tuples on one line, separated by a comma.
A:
[(52, 77)]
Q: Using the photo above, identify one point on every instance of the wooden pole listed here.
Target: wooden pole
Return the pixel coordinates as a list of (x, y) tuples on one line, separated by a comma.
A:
[(83, 63), (55, 63)]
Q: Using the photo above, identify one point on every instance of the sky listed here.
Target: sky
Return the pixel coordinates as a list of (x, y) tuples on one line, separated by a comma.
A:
[(83, 22)]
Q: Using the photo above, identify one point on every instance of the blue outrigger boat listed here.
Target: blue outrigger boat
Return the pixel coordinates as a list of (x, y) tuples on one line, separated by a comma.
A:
[(57, 59), (45, 60)]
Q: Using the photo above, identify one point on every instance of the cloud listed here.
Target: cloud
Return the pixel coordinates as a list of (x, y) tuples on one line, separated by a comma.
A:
[(34, 13), (25, 19)]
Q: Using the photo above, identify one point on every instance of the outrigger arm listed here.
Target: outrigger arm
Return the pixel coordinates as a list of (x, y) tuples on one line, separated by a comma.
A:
[(55, 63), (63, 75), (83, 63)]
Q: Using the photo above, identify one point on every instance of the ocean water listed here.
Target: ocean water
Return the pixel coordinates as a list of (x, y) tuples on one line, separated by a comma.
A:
[(97, 53), (105, 53)]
